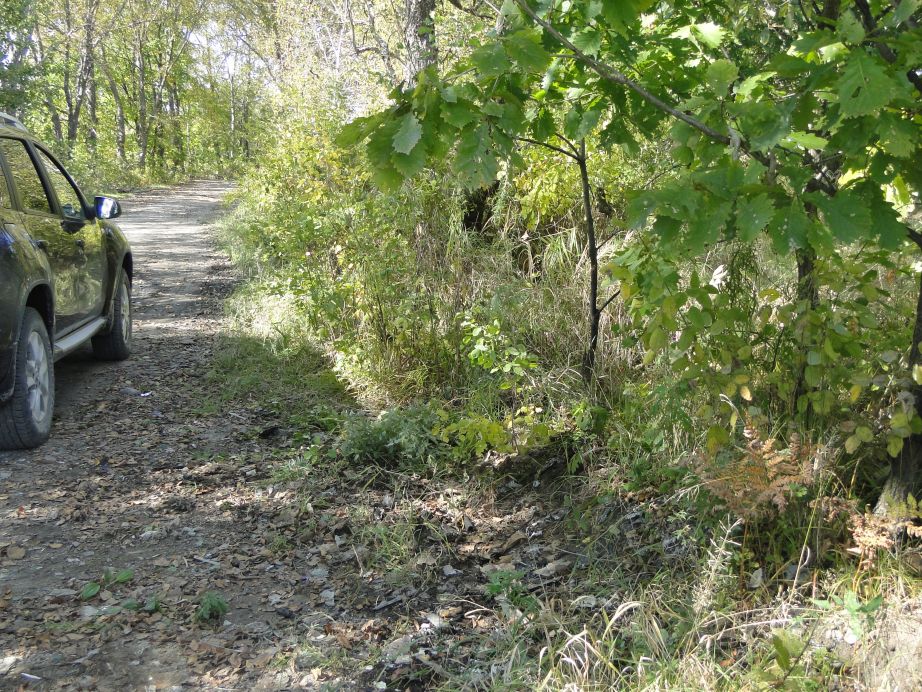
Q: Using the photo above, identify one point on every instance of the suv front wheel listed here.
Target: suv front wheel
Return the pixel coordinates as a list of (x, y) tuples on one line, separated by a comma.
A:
[(25, 420)]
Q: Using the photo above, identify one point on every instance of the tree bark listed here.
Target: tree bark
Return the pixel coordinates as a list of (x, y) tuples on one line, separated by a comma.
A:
[(807, 292), (592, 299), (420, 38), (142, 124), (119, 111)]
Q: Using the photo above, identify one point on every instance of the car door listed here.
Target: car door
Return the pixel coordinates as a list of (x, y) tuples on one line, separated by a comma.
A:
[(87, 234), (43, 224), (11, 276)]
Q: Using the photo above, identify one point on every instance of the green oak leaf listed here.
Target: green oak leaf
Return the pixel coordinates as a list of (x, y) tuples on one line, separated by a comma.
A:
[(543, 126), (720, 75), (887, 227), (357, 130), (620, 14), (789, 227), (588, 40), (408, 133), (578, 123), (706, 227), (460, 114), (763, 123), (847, 214), (752, 215), (709, 34), (903, 11), (412, 163), (380, 148), (616, 133), (897, 135), (807, 140), (849, 28), (865, 85), (525, 49), (490, 60)]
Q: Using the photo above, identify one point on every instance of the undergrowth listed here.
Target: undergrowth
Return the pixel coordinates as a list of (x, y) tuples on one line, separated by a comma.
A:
[(392, 337)]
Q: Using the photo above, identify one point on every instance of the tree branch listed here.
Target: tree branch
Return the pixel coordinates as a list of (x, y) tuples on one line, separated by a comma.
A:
[(914, 236), (560, 150), (611, 74), (870, 25), (610, 299)]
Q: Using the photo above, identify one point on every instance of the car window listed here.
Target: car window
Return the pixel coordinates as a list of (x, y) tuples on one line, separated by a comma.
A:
[(28, 181), (5, 201), (67, 195)]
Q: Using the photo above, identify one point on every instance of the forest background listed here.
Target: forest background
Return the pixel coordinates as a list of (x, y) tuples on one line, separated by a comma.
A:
[(662, 256)]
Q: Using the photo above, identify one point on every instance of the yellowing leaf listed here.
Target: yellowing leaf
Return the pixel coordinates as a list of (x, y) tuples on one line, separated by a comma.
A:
[(854, 392), (745, 393), (864, 433), (894, 445), (852, 444)]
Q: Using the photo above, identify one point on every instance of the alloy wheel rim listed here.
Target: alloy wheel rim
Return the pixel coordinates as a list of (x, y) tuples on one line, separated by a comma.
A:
[(126, 313), (38, 380)]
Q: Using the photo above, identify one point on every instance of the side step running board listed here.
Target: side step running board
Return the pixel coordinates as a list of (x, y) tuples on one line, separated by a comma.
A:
[(72, 341)]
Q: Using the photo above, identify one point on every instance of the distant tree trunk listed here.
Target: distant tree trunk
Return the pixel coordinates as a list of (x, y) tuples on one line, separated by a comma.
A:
[(142, 125), (173, 106), (92, 138), (83, 76), (119, 111), (420, 37)]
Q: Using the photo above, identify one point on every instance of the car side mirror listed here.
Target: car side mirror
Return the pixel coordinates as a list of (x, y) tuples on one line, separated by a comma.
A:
[(107, 208)]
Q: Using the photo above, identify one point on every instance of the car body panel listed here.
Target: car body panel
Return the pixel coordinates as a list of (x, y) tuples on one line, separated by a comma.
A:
[(72, 262)]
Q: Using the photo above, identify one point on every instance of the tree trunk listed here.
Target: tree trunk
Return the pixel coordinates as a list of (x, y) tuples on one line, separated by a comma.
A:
[(420, 38), (142, 125), (119, 112), (592, 299), (92, 138), (807, 292)]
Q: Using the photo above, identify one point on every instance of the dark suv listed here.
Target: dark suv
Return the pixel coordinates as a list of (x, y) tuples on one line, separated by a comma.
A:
[(65, 278)]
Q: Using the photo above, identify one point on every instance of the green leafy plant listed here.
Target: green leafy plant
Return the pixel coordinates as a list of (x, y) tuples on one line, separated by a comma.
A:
[(508, 585), (89, 590), (212, 608), (860, 613), (109, 578), (398, 437)]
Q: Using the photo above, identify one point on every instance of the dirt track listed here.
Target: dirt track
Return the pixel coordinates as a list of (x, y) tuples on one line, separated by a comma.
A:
[(131, 480)]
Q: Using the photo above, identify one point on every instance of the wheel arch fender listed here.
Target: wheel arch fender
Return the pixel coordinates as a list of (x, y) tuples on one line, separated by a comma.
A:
[(40, 297)]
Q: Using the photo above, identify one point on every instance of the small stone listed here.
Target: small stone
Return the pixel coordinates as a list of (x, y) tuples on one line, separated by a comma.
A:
[(553, 568), (850, 638), (585, 601), (89, 612)]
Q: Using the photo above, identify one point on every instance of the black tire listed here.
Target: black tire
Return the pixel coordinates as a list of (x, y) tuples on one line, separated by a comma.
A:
[(25, 420), (115, 344)]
